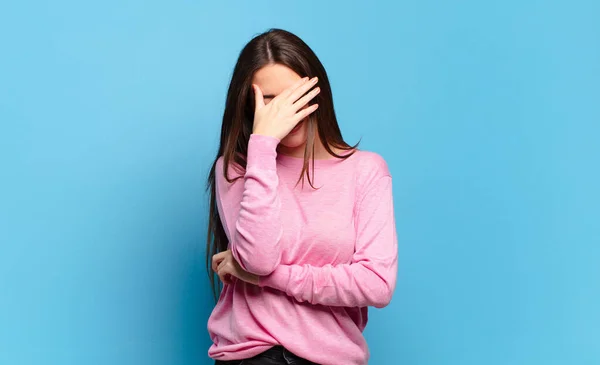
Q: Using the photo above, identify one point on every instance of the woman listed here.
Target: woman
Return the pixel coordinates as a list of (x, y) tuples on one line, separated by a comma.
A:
[(300, 262)]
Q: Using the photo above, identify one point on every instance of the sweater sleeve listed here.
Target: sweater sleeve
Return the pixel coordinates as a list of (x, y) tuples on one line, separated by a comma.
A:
[(369, 279), (250, 208)]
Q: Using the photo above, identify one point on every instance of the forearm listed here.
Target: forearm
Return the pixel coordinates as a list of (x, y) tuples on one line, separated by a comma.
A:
[(257, 229), (347, 285)]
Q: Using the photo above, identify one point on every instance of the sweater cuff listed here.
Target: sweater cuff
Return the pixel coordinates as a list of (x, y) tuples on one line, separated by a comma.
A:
[(278, 279), (262, 152)]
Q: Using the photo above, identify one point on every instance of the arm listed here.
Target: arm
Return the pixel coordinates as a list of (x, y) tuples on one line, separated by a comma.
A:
[(250, 208), (370, 279)]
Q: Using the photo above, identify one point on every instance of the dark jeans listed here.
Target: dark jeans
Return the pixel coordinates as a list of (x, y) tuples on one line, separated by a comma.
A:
[(277, 355)]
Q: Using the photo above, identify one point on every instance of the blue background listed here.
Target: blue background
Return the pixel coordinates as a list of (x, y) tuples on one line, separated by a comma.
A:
[(487, 113)]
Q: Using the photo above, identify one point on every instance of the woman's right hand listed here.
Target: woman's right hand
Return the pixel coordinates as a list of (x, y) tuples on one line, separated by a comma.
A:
[(281, 115)]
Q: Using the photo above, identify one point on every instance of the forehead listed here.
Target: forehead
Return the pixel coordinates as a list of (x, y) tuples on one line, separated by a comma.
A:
[(273, 79)]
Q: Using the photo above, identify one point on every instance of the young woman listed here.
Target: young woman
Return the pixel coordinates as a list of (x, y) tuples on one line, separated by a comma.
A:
[(301, 232)]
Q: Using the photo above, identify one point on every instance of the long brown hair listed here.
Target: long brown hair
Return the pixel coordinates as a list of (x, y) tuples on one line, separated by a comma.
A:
[(275, 46)]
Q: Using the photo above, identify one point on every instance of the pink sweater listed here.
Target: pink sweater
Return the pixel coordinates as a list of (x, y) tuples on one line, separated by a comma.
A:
[(323, 255)]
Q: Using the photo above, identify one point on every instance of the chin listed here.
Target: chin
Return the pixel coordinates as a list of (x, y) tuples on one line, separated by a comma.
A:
[(296, 140)]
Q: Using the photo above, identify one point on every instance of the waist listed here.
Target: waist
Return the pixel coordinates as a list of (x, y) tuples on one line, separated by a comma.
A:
[(276, 354), (244, 324)]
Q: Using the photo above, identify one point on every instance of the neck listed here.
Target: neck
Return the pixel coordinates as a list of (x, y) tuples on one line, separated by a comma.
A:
[(320, 151)]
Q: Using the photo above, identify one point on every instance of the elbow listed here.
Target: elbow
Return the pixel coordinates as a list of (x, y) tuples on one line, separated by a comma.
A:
[(383, 296), (257, 254), (382, 300), (263, 268), (260, 264)]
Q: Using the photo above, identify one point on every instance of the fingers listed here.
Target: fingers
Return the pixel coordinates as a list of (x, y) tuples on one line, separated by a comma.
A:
[(306, 98), (301, 90), (291, 94), (224, 267), (222, 271), (228, 270), (287, 92), (304, 113), (217, 259), (221, 265), (258, 97), (224, 276)]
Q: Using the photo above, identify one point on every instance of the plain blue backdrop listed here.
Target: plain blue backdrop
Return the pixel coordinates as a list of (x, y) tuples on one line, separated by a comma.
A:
[(486, 111)]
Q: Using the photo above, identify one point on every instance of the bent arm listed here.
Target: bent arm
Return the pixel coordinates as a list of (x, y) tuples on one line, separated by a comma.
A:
[(370, 279), (250, 208)]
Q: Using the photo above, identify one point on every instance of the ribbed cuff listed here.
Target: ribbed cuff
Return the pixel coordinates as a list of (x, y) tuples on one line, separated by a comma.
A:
[(262, 152)]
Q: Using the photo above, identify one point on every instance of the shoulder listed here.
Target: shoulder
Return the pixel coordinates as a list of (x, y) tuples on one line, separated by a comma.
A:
[(370, 167), (370, 171)]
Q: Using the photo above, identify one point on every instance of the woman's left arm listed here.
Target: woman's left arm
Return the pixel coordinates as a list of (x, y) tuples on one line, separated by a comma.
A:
[(370, 279)]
